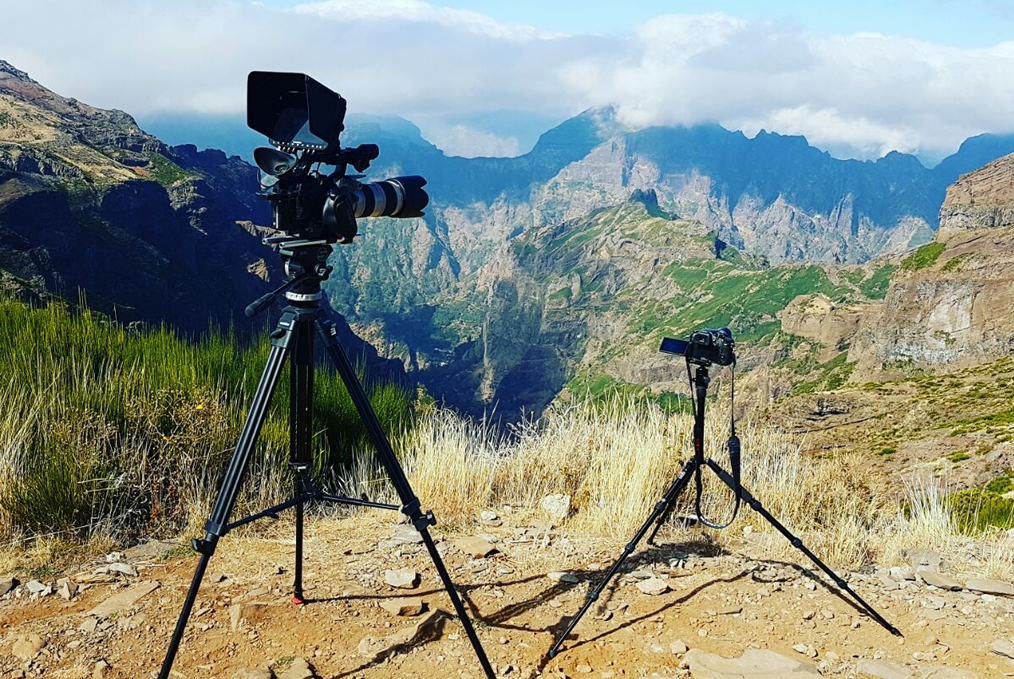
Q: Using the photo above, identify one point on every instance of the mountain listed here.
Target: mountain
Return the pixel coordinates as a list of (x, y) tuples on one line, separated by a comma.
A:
[(420, 289)]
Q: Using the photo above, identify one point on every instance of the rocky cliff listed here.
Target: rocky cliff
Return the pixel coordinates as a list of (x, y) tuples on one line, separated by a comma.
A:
[(951, 300)]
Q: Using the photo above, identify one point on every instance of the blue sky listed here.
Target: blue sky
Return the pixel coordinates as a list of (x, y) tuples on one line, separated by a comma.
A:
[(855, 77)]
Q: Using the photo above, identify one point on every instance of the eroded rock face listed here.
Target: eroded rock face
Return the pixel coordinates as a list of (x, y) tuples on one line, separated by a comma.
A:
[(955, 308)]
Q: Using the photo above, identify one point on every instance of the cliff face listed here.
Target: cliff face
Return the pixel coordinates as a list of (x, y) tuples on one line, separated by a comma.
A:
[(89, 201), (951, 301)]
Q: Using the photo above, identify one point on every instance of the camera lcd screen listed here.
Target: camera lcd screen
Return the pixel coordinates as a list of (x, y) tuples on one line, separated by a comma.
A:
[(673, 346)]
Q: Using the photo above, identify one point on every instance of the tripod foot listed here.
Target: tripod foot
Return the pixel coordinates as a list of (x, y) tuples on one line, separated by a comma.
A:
[(298, 600)]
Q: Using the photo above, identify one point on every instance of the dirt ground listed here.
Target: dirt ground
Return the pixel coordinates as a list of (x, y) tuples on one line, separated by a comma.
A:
[(719, 602)]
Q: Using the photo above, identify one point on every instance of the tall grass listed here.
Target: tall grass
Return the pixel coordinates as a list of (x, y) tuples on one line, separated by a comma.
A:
[(616, 459), (105, 429)]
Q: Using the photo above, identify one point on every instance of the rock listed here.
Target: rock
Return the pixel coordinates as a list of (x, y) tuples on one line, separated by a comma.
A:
[(123, 569), (902, 574), (474, 546), (402, 534), (251, 611), (27, 646), (123, 600), (755, 664), (430, 624), (410, 606), (1003, 647), (926, 558), (641, 575), (100, 669), (89, 624), (949, 673), (584, 669), (37, 588), (984, 585), (653, 586), (934, 603), (487, 516), (299, 669), (252, 673), (556, 506), (938, 579), (678, 647), (403, 578), (881, 669), (66, 588), (563, 576), (7, 584)]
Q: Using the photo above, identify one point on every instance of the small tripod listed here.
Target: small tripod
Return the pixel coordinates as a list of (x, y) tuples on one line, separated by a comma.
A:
[(664, 507), (293, 339)]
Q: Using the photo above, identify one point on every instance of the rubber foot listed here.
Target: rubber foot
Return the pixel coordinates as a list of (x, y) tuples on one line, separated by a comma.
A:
[(298, 600)]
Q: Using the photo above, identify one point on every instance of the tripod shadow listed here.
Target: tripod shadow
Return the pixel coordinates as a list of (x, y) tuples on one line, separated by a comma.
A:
[(816, 578), (426, 630)]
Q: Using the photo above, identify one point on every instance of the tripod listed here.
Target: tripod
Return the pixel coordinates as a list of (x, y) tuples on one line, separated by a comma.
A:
[(293, 340), (664, 507)]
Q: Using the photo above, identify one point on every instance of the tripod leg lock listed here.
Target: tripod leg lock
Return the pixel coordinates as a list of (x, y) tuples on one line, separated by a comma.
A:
[(424, 521), (204, 547)]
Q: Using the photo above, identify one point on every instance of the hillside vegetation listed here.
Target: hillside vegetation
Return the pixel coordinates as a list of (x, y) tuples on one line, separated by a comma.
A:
[(109, 430)]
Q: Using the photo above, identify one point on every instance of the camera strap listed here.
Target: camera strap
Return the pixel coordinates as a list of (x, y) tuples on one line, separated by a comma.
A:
[(734, 449)]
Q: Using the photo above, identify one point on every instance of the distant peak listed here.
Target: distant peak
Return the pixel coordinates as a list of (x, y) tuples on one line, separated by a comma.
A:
[(8, 69)]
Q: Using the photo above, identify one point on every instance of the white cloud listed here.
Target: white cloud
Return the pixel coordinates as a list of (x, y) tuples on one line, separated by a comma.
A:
[(856, 94), (461, 140)]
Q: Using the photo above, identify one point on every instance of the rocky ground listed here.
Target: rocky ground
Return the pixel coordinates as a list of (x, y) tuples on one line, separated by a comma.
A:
[(686, 609)]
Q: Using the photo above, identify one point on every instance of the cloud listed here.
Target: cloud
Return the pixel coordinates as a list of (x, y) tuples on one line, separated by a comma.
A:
[(859, 95)]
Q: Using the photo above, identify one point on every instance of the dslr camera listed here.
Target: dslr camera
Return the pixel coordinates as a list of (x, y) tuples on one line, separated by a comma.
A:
[(705, 347)]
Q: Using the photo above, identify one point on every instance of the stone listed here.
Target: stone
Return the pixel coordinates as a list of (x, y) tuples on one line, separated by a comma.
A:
[(487, 516), (949, 673), (403, 607), (430, 624), (1003, 647), (89, 624), (39, 589), (251, 611), (584, 669), (754, 663), (556, 506), (924, 558), (474, 546), (938, 579), (27, 646), (7, 584), (902, 574), (403, 534), (678, 647), (563, 576), (984, 585), (653, 586), (299, 669), (123, 569), (402, 578), (123, 600), (252, 673), (100, 669), (934, 603), (881, 669), (66, 588)]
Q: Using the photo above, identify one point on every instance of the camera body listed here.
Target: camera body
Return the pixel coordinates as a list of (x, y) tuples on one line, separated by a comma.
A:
[(303, 120), (704, 347)]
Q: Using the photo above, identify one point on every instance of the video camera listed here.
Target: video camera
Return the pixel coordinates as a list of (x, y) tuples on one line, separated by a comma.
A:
[(303, 120)]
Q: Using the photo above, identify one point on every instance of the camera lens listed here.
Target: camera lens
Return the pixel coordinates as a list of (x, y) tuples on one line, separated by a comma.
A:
[(395, 197)]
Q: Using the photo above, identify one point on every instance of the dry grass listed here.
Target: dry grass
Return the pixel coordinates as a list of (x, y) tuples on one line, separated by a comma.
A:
[(616, 460)]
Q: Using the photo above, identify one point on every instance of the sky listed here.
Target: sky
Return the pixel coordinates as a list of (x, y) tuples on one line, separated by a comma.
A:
[(857, 78)]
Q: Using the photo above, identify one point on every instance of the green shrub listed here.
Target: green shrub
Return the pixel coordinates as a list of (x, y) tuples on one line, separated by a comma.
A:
[(925, 256)]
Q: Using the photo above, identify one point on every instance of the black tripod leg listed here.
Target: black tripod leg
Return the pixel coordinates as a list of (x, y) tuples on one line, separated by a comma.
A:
[(798, 544), (301, 368), (217, 525), (410, 503), (661, 507)]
